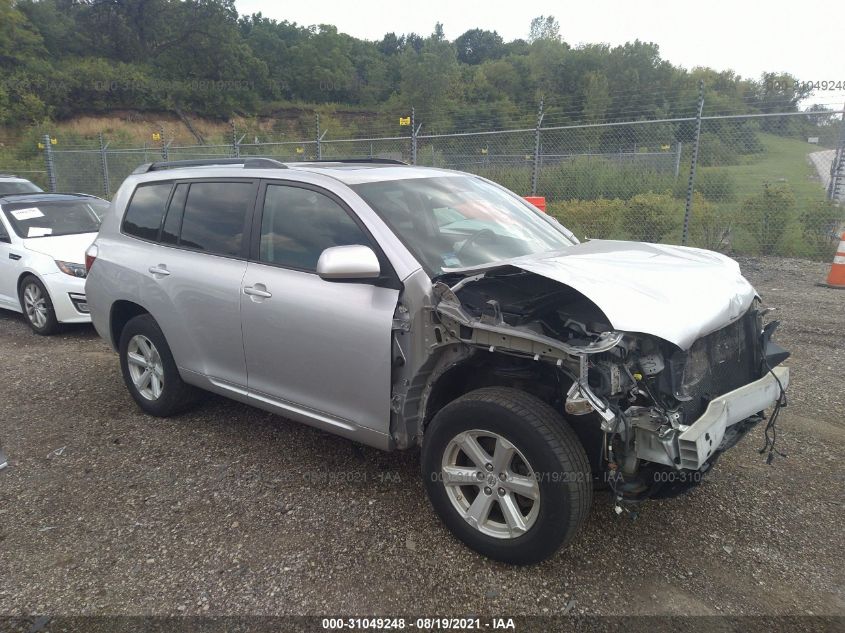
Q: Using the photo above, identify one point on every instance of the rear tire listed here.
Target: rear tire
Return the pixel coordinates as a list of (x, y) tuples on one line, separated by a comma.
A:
[(149, 371), (37, 307), (487, 498)]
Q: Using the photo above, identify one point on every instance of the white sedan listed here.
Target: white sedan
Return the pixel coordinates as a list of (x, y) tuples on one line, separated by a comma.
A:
[(43, 237)]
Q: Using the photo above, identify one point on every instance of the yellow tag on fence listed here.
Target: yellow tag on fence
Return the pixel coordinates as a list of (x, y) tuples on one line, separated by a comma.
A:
[(156, 136), (404, 120), (300, 150)]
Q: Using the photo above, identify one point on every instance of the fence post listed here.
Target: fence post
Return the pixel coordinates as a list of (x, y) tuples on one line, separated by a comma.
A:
[(164, 144), (678, 154), (319, 138), (693, 163), (49, 163), (535, 167), (837, 168), (236, 148), (413, 137), (104, 165)]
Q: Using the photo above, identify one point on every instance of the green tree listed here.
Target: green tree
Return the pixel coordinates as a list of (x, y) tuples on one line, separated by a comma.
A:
[(477, 45), (544, 28)]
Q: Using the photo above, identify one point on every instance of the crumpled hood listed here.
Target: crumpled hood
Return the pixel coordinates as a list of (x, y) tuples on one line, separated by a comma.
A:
[(676, 293), (65, 248)]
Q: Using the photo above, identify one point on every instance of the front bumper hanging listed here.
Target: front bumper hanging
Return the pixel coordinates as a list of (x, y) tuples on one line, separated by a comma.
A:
[(690, 446)]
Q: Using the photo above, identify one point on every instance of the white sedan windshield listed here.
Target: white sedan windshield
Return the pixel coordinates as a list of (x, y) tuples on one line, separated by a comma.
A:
[(460, 221)]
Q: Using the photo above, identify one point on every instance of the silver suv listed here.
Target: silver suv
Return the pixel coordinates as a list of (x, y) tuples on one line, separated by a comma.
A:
[(404, 306)]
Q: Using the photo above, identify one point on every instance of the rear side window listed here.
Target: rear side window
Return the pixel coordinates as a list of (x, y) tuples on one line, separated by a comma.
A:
[(215, 215), (173, 221), (297, 225), (145, 211)]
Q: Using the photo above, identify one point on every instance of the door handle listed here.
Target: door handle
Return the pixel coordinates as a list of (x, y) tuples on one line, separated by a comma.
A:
[(258, 290), (14, 256), (161, 270)]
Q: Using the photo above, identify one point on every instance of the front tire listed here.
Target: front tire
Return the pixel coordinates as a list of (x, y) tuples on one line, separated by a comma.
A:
[(507, 475), (149, 371), (37, 307)]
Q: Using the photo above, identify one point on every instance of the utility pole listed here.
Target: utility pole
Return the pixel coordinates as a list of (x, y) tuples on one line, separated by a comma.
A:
[(695, 144)]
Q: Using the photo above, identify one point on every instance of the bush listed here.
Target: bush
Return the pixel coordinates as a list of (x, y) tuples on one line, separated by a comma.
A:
[(595, 219), (710, 225), (821, 229), (765, 217), (716, 185), (600, 178), (650, 217), (712, 150)]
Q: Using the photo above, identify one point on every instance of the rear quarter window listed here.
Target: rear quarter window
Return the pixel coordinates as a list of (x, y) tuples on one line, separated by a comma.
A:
[(145, 211)]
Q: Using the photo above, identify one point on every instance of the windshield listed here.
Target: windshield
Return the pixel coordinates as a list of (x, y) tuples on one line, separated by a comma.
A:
[(460, 221), (10, 187), (47, 219)]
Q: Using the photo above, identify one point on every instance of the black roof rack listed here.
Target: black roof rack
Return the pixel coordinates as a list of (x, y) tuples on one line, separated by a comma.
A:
[(248, 163), (379, 161)]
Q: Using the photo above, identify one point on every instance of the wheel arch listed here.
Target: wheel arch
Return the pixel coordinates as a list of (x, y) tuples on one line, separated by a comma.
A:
[(495, 369), (122, 311), (542, 380), (30, 273)]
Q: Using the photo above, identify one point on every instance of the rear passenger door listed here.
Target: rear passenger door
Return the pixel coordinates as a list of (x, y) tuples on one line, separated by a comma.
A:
[(194, 271), (319, 345)]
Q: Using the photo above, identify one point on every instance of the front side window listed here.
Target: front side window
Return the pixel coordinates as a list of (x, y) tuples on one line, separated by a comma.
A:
[(143, 216), (299, 224), (453, 222), (58, 217), (215, 215)]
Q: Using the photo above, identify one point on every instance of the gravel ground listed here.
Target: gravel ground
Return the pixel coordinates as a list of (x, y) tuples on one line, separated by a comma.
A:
[(230, 510)]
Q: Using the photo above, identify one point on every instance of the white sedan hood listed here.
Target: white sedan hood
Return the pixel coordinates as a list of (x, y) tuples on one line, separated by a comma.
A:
[(676, 293), (65, 248)]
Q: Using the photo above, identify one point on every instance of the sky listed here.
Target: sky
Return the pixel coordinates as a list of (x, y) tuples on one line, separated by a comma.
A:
[(747, 36)]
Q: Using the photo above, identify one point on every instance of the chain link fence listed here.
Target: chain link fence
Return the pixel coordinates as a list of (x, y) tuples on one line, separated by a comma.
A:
[(769, 183)]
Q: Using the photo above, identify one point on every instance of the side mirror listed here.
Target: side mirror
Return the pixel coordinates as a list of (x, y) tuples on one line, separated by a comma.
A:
[(348, 262)]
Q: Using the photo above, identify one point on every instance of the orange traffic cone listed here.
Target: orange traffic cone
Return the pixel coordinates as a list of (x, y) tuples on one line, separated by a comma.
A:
[(836, 278)]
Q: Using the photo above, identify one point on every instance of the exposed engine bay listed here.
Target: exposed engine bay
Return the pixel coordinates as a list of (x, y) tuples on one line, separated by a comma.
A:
[(654, 415)]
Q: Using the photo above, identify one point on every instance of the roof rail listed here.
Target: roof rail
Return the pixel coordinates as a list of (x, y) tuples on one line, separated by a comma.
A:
[(248, 163), (380, 161), (9, 176)]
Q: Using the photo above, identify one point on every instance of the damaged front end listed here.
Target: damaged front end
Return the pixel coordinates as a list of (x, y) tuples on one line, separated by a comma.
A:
[(659, 415)]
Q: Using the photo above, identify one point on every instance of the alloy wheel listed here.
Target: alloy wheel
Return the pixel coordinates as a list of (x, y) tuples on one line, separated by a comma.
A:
[(491, 484), (35, 305), (145, 367)]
